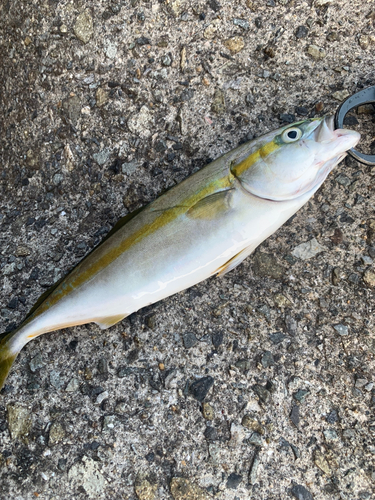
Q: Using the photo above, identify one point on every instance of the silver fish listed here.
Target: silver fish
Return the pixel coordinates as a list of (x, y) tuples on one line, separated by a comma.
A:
[(206, 225)]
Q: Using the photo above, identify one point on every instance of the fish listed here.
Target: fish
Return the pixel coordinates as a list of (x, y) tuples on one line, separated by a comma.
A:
[(204, 226)]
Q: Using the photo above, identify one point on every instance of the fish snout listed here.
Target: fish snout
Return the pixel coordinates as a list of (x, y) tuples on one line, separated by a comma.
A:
[(334, 142)]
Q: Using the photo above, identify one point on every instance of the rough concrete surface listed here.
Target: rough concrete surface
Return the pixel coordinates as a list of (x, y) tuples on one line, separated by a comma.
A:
[(257, 385)]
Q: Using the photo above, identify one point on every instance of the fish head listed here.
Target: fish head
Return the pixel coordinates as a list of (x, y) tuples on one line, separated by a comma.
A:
[(294, 160)]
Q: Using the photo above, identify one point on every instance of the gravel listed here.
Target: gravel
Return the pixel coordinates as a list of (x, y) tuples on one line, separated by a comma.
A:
[(258, 384)]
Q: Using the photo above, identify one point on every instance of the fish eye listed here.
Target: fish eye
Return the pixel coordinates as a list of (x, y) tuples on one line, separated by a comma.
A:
[(291, 134)]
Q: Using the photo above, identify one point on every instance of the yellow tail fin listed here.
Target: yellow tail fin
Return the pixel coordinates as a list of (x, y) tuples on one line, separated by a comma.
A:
[(7, 357)]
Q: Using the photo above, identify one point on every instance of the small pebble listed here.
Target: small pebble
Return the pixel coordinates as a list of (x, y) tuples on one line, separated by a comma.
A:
[(369, 278), (302, 32), (333, 36), (189, 339), (332, 417), (316, 52), (199, 388), (88, 373), (360, 382), (183, 58), (36, 363), (233, 481), (262, 392), (342, 330), (121, 408), (218, 102), (61, 464), (251, 423), (267, 359), (235, 44), (354, 278), (57, 179), (343, 180), (330, 435), (101, 97), (294, 415), (255, 439), (83, 26), (340, 95), (308, 250), (102, 157), (242, 23), (281, 300), (217, 339), (301, 493), (319, 106), (364, 41), (109, 423), (102, 366), (210, 433), (243, 365), (144, 488), (73, 385), (166, 60), (277, 338), (185, 489), (208, 411), (19, 421), (101, 397), (56, 433), (301, 395), (321, 462), (214, 4), (302, 111), (55, 379), (287, 118), (254, 470)]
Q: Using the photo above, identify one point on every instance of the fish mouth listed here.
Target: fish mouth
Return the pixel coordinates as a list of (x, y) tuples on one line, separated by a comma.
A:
[(340, 140), (333, 145)]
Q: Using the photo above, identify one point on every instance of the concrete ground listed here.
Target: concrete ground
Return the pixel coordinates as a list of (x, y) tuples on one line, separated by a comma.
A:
[(257, 385)]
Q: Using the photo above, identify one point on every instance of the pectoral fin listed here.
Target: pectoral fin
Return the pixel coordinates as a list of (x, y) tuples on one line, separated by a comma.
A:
[(211, 206), (235, 261), (105, 323)]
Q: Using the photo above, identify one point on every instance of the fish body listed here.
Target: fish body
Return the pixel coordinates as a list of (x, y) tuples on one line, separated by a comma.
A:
[(204, 226)]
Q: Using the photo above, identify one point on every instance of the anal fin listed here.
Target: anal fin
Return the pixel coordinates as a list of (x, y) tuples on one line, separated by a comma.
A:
[(235, 261), (109, 321)]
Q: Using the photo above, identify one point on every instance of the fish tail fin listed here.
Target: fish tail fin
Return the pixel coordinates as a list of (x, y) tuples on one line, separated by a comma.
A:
[(8, 353)]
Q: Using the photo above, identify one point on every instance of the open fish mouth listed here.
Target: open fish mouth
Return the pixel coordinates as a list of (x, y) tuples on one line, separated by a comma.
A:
[(342, 139), (332, 143)]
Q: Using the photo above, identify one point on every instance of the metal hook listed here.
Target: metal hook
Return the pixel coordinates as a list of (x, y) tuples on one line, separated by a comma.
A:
[(365, 96)]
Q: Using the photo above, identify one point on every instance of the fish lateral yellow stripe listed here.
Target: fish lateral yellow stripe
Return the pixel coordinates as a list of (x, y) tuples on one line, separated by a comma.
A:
[(162, 220), (249, 161)]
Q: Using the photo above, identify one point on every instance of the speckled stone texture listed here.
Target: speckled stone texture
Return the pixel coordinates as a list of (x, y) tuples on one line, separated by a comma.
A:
[(104, 105)]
